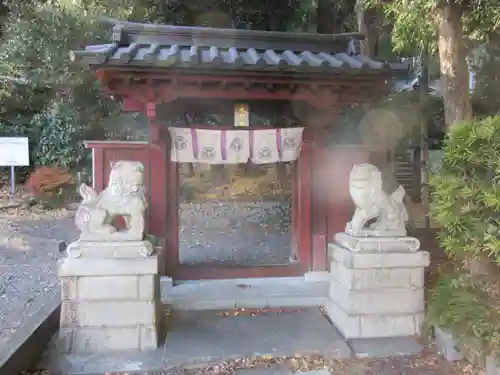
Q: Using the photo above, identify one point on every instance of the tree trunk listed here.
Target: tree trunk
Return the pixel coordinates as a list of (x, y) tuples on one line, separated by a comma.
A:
[(424, 137), (453, 65), (455, 87), (325, 17), (368, 24)]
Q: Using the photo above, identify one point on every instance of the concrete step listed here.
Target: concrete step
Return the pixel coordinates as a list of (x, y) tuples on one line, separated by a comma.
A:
[(244, 293)]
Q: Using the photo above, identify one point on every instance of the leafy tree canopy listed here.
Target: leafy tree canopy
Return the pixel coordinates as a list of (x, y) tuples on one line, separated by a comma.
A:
[(414, 22)]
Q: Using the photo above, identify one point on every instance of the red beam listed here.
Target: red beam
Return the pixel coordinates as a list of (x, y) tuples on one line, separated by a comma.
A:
[(181, 272), (285, 77), (115, 144), (323, 98), (132, 105)]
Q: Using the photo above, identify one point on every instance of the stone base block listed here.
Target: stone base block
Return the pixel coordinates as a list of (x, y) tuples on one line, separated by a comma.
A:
[(110, 304), (377, 292), (97, 339), (353, 326), (359, 260), (377, 244), (363, 279), (74, 267), (106, 249), (377, 301), (86, 279), (108, 313), (109, 288)]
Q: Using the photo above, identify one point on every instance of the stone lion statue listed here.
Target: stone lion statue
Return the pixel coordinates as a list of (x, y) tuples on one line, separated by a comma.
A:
[(377, 213), (124, 196)]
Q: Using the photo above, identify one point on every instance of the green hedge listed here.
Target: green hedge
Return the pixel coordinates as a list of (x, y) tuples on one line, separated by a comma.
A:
[(466, 191), (466, 206)]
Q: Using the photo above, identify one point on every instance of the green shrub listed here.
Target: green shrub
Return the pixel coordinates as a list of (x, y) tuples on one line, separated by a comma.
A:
[(188, 192), (59, 142), (466, 207), (45, 96), (461, 303), (466, 192)]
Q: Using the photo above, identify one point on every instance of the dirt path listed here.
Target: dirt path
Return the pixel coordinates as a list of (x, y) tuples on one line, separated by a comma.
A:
[(29, 251)]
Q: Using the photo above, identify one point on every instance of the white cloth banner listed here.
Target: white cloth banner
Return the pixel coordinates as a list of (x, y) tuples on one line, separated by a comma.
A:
[(236, 146), (291, 141), (181, 150), (209, 148), (265, 146)]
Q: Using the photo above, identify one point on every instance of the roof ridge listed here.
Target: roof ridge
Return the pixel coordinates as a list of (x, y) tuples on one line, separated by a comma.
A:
[(126, 31)]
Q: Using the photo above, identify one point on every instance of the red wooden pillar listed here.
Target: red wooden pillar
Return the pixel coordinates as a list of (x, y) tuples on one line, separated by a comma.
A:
[(295, 212), (172, 206), (303, 213), (157, 182)]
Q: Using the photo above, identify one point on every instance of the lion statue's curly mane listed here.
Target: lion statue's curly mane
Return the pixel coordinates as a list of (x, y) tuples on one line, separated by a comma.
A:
[(124, 196), (377, 213)]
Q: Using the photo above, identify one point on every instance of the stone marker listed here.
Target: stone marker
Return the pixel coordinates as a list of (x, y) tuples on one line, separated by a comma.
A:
[(446, 345), (377, 272), (110, 282), (492, 366)]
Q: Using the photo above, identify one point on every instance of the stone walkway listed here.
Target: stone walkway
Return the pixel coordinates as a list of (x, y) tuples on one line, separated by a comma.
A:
[(276, 341)]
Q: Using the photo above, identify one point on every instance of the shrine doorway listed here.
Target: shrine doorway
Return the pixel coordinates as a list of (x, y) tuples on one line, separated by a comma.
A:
[(237, 215), (234, 213), (211, 243)]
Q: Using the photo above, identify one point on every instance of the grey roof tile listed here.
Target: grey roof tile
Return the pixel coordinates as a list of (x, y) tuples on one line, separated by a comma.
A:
[(160, 46), (156, 55)]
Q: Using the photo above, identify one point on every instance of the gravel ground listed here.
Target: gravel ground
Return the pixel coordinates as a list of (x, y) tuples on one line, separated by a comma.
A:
[(226, 232), (29, 251), (235, 233)]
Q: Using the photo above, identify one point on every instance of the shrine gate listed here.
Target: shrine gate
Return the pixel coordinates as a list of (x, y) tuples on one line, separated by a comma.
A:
[(151, 67)]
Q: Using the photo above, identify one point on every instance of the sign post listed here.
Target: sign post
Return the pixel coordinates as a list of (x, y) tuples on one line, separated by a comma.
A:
[(14, 152), (12, 180)]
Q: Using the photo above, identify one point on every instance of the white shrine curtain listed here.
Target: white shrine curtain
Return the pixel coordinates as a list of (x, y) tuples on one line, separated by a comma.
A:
[(213, 146)]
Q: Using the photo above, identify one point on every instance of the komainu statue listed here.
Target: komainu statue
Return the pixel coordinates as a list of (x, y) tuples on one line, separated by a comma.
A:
[(377, 213), (124, 196)]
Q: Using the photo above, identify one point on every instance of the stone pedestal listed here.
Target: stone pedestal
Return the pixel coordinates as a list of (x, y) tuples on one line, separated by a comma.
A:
[(109, 303), (376, 286)]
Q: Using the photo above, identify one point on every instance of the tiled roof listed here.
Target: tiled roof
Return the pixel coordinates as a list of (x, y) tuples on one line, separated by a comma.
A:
[(142, 45)]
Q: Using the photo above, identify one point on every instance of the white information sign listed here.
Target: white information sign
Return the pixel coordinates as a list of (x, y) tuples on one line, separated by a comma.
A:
[(14, 152)]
